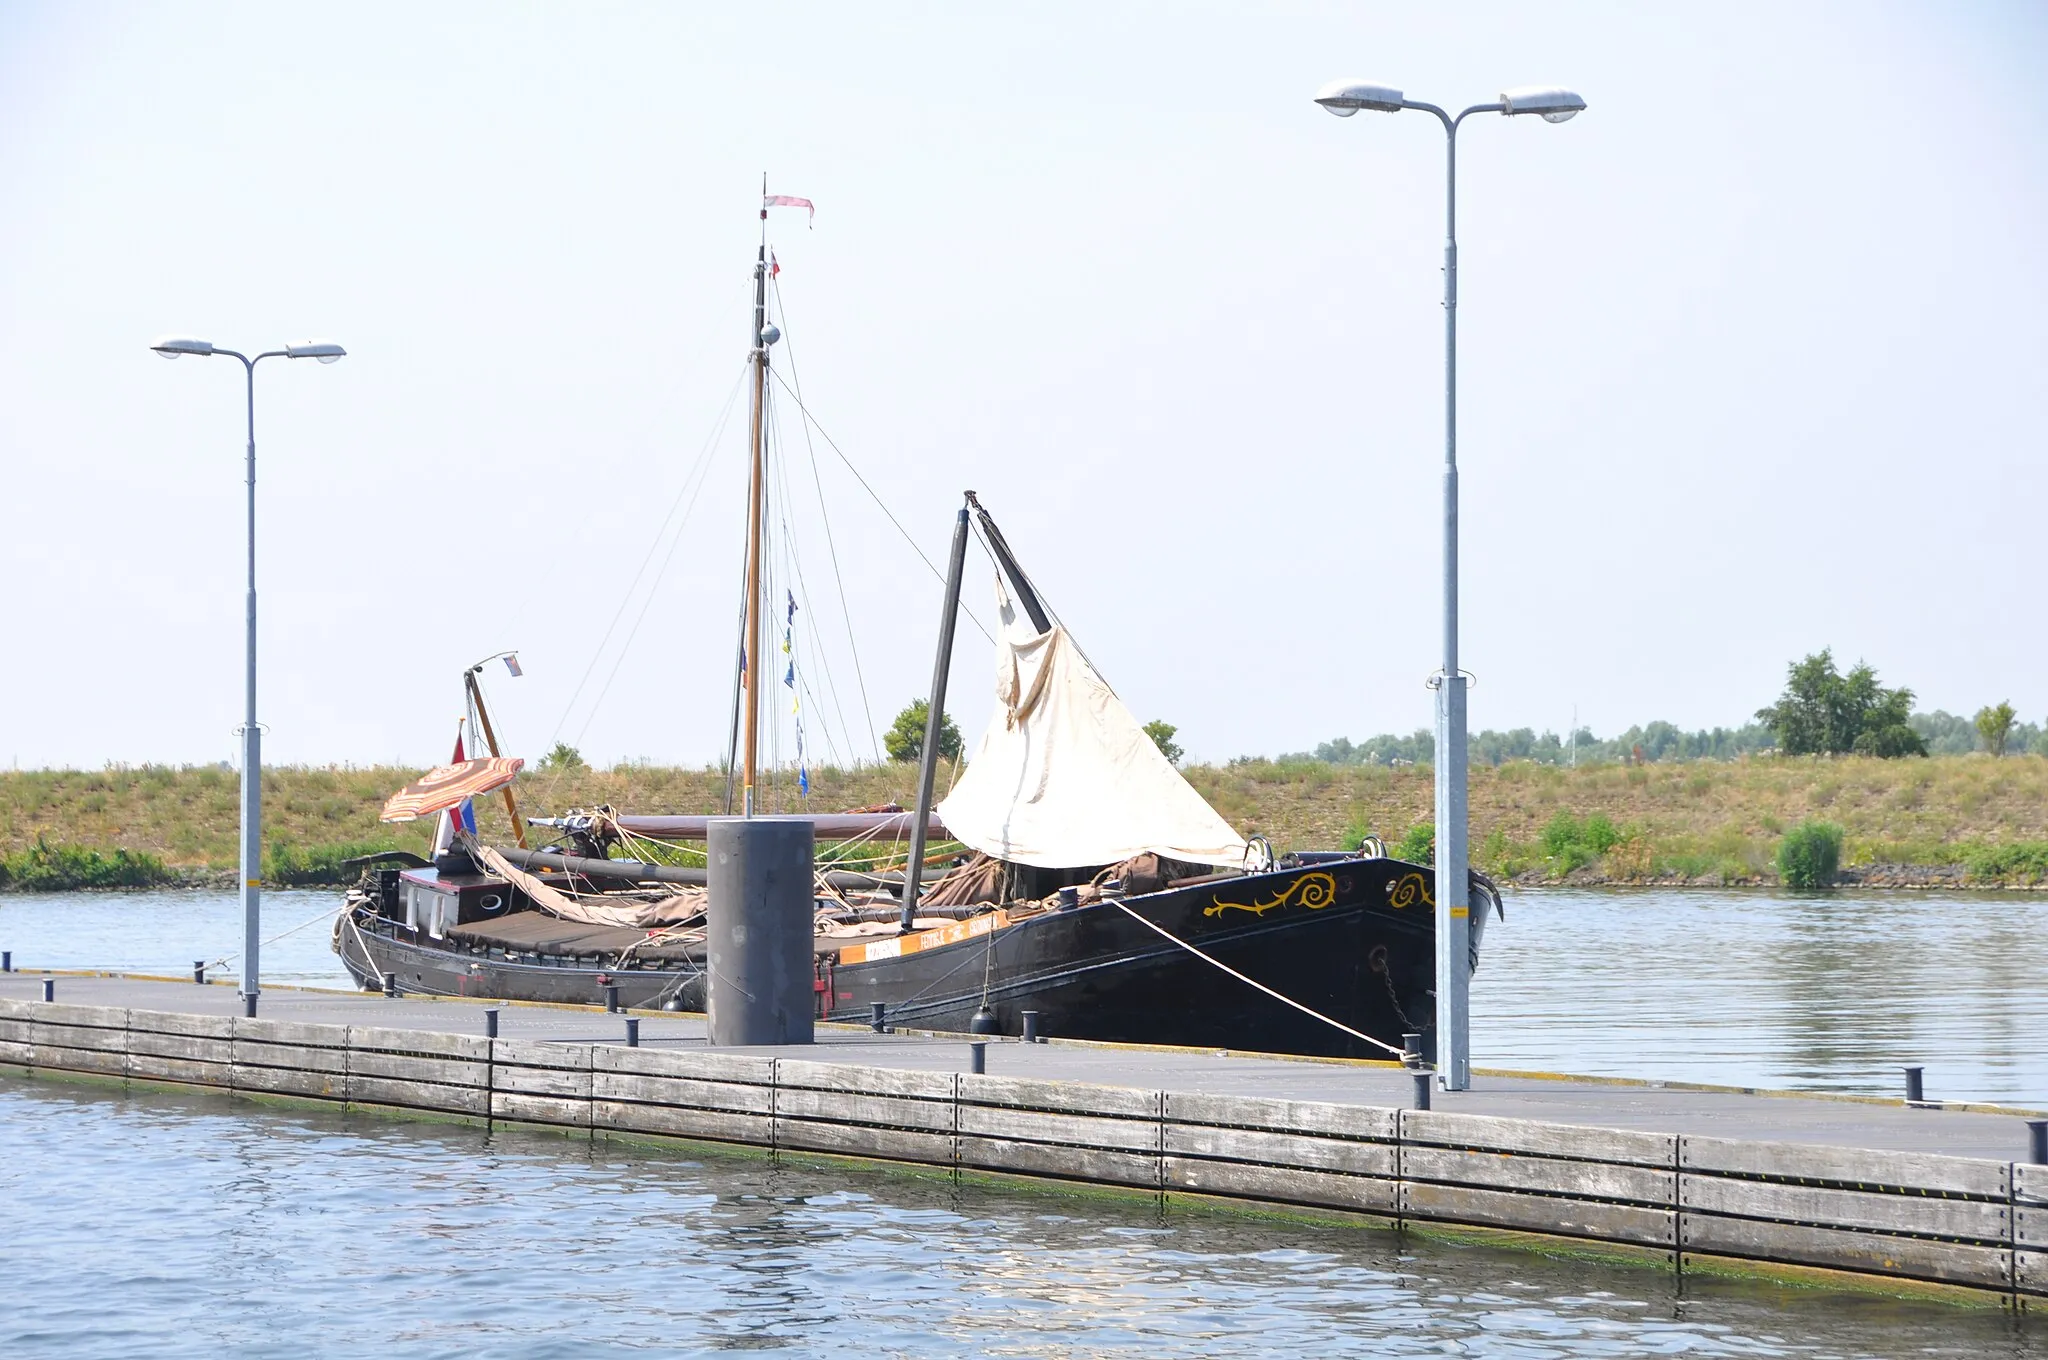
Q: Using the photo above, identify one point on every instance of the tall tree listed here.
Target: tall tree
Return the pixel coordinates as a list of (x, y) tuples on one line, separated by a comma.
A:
[(1161, 733), (1825, 712), (905, 738), (1994, 725)]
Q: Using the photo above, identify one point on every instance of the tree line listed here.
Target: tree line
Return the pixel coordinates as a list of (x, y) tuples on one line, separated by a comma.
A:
[(1822, 711)]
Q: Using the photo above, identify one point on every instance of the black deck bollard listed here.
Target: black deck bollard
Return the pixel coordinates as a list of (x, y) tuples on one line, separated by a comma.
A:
[(1915, 1092), (977, 1061), (1031, 1028), (199, 971), (490, 1022), (6, 960), (2037, 1141), (875, 1011), (611, 997), (1423, 1081), (49, 989), (632, 1031), (1411, 1049), (391, 984)]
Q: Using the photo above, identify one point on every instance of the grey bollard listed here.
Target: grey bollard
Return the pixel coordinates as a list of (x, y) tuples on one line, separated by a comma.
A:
[(1915, 1092), (1411, 1049), (1423, 1081), (199, 971), (611, 998), (977, 1060), (758, 926), (490, 1022), (632, 1031), (49, 989), (876, 1011), (1031, 1027), (2037, 1141)]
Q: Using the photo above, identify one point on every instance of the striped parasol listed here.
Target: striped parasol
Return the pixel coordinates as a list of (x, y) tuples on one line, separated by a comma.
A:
[(450, 786)]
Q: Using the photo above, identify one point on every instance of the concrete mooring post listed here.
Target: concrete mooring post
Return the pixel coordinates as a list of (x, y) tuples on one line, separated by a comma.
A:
[(759, 924)]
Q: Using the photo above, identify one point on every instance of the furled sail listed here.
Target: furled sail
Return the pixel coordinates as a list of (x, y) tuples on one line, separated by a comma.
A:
[(1065, 777)]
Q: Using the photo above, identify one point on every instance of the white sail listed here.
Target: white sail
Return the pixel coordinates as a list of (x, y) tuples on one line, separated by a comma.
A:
[(1065, 777)]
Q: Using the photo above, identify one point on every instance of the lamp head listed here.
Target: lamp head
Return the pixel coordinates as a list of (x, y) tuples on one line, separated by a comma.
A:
[(1556, 105), (326, 351), (1346, 97), (171, 346)]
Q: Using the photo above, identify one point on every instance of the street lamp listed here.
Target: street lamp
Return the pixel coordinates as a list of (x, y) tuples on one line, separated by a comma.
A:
[(1453, 889), (326, 351)]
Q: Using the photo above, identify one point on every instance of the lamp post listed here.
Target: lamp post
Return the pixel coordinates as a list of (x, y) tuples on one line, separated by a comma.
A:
[(1453, 888), (326, 351)]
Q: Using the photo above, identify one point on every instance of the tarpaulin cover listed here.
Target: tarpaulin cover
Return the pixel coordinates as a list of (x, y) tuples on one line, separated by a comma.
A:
[(1066, 778)]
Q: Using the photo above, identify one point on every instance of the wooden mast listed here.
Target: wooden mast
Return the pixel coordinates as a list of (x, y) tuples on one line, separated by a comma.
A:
[(753, 660), (476, 697)]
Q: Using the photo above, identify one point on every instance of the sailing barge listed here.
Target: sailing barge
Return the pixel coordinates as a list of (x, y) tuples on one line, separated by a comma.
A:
[(1095, 888)]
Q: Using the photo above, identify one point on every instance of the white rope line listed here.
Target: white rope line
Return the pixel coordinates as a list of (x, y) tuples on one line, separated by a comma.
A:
[(325, 915), (1287, 1000)]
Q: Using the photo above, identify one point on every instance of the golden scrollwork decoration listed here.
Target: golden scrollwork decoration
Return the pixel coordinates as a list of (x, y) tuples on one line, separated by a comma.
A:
[(1404, 892), (1314, 891)]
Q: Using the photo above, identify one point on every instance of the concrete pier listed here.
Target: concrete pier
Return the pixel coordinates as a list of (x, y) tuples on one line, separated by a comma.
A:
[(1942, 1195)]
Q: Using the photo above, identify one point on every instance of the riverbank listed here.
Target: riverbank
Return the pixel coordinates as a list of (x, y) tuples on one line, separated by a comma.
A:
[(1946, 821)]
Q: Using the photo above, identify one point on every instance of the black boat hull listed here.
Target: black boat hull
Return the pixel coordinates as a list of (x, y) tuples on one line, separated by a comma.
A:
[(1352, 940)]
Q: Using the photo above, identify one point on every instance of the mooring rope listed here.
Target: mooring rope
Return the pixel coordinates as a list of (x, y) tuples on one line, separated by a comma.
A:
[(1286, 1000), (329, 912)]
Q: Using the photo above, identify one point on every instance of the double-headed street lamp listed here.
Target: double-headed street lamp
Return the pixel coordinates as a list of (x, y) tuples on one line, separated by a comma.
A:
[(326, 351), (1453, 889)]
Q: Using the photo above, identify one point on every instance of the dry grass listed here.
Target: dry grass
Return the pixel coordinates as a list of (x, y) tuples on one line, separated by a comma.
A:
[(1695, 820)]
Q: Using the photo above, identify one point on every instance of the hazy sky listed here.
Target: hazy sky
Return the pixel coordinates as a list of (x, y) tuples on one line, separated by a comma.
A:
[(1752, 358)]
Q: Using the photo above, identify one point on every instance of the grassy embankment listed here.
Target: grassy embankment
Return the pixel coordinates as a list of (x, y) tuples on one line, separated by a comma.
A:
[(1946, 819)]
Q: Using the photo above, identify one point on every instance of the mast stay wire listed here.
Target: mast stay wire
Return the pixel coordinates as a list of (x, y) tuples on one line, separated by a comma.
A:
[(718, 428), (831, 544), (702, 470), (824, 434), (795, 564), (699, 466)]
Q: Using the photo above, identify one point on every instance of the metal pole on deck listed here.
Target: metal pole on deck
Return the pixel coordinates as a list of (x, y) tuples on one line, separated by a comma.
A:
[(1453, 886), (935, 717), (326, 351)]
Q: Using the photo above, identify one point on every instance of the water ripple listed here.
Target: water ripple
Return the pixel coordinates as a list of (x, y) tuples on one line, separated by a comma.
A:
[(169, 1226)]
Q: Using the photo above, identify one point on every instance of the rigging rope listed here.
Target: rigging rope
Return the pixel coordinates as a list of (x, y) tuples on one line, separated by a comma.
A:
[(626, 598), (829, 443), (646, 601), (831, 546), (1286, 1000)]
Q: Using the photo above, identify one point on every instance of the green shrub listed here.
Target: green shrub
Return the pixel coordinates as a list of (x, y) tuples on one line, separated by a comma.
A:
[(1357, 832), (1570, 842), (1810, 854), (1418, 845), (2014, 861), (54, 868)]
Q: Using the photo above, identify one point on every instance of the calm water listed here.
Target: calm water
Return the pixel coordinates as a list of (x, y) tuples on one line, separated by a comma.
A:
[(167, 1226), (1820, 992)]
